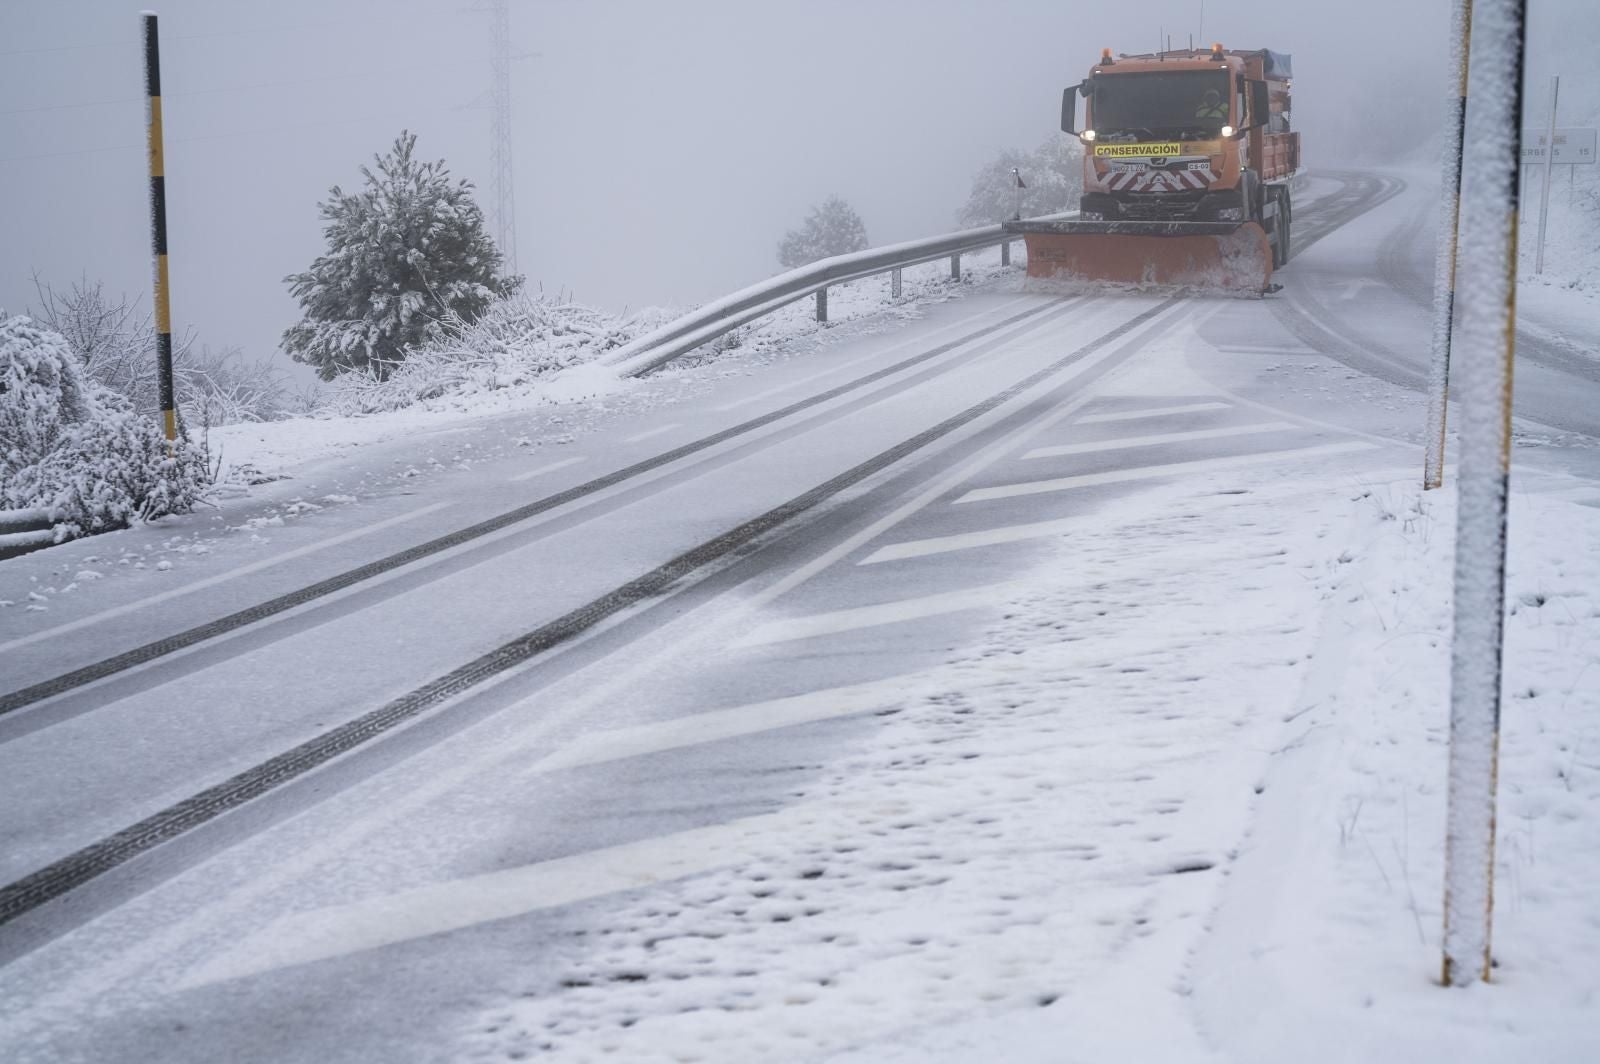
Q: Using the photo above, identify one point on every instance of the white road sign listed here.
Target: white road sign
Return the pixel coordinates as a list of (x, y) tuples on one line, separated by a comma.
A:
[(1573, 146)]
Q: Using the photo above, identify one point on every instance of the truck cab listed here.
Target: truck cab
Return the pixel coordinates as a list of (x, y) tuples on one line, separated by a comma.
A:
[(1188, 136)]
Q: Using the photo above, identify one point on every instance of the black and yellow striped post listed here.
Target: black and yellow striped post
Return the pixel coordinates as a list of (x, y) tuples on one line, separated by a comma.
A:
[(158, 224)]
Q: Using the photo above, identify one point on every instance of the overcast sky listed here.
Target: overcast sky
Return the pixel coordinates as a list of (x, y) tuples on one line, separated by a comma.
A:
[(662, 146)]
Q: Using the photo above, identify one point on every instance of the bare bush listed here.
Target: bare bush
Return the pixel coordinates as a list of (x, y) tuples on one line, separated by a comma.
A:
[(116, 344)]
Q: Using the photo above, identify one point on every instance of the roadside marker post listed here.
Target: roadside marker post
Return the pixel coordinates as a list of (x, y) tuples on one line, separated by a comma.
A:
[(1549, 165), (1444, 259), (1484, 349), (158, 224)]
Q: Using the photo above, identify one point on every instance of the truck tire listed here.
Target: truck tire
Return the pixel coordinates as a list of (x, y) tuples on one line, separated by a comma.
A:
[(1278, 232), (1285, 228)]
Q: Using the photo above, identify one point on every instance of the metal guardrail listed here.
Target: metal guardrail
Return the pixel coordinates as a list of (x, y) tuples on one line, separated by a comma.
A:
[(22, 531), (704, 324)]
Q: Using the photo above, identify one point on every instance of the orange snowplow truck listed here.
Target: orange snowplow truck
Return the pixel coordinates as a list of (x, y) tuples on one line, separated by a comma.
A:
[(1186, 170)]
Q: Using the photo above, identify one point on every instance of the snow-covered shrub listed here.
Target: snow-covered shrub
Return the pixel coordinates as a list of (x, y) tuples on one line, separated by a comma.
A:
[(518, 339), (42, 393), (1053, 173), (78, 450), (110, 471), (832, 228), (404, 255)]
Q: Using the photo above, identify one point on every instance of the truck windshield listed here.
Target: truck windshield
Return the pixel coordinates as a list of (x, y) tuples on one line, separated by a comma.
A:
[(1193, 102)]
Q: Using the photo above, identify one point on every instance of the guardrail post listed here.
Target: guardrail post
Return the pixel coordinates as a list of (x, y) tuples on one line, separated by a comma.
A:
[(822, 305), (1005, 253), (955, 266), (894, 284)]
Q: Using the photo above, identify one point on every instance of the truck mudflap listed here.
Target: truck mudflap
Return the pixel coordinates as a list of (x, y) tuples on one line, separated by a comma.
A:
[(1206, 256)]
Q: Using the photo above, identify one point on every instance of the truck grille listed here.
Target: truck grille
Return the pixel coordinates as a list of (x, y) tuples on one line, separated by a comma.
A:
[(1160, 206)]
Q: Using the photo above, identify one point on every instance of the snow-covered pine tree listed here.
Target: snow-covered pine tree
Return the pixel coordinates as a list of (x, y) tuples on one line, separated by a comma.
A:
[(1054, 175), (832, 228), (406, 254)]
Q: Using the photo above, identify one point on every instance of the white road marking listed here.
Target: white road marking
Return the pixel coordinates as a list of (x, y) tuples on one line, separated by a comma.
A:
[(1117, 476), (1269, 349), (322, 934), (917, 548), (1154, 411), (653, 432), (1095, 446), (551, 468), (213, 581), (849, 620), (599, 747), (982, 460), (301, 938)]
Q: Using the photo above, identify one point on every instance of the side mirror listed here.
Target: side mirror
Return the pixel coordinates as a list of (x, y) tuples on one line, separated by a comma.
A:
[(1069, 110), (1260, 104)]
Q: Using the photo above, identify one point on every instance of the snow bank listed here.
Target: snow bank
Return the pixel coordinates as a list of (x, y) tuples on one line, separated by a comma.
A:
[(519, 341), (1572, 238), (523, 342), (1045, 852)]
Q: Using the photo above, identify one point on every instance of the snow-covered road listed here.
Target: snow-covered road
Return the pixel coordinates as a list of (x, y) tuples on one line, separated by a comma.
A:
[(800, 704)]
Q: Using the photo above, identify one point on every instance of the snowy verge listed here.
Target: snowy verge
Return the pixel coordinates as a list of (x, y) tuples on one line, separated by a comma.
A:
[(1330, 936), (1044, 852), (1562, 303), (549, 360)]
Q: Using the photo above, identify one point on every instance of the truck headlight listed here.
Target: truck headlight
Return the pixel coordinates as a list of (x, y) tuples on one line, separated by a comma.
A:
[(1088, 136), (1227, 131)]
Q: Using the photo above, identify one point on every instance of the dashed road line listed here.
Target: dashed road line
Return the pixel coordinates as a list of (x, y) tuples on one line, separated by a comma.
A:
[(718, 724), (652, 433), (859, 617), (1154, 411), (1117, 476), (918, 548), (550, 468), (1096, 446), (323, 934)]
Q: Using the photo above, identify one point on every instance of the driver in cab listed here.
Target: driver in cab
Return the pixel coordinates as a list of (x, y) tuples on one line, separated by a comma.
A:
[(1212, 105)]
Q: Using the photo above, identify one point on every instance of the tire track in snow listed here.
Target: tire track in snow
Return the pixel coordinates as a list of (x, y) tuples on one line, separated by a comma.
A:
[(64, 876), (148, 652)]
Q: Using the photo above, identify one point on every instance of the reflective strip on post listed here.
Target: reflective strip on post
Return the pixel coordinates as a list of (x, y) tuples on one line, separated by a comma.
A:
[(158, 226), (1484, 349)]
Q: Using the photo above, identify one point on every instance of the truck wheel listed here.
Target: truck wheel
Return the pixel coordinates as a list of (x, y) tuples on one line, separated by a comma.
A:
[(1279, 231), (1285, 228)]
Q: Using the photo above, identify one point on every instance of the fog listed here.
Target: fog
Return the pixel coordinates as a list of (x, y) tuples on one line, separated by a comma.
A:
[(662, 147)]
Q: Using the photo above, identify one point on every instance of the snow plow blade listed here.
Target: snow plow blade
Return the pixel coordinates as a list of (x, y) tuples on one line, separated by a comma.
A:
[(1212, 256)]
